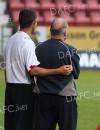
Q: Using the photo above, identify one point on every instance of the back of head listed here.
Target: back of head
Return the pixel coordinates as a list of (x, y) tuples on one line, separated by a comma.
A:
[(26, 17), (58, 27)]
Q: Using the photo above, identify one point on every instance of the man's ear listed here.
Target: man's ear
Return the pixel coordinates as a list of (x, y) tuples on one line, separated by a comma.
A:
[(34, 23), (65, 35)]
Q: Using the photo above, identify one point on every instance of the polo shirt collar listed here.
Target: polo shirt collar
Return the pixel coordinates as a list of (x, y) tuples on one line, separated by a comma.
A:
[(56, 39), (23, 33)]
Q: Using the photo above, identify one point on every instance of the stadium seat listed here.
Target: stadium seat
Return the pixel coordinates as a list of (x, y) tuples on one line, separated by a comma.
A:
[(62, 3), (68, 17), (47, 4), (78, 5), (32, 4), (39, 17), (82, 17), (16, 4), (95, 17), (48, 18), (93, 5), (77, 2), (15, 15)]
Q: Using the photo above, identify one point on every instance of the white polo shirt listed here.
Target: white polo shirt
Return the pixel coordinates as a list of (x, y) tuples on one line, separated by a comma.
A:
[(19, 58)]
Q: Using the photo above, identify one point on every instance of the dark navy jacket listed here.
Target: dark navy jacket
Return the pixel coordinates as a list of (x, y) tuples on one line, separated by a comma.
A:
[(54, 53)]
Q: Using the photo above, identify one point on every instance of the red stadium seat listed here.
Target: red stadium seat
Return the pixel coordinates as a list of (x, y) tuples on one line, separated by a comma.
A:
[(68, 17), (32, 4), (15, 15), (78, 5), (77, 2), (16, 4), (62, 3), (93, 4), (40, 19), (82, 18), (48, 18), (47, 4), (95, 17)]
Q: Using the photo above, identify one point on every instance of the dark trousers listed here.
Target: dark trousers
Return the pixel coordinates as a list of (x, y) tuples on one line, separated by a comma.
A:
[(19, 107), (53, 109)]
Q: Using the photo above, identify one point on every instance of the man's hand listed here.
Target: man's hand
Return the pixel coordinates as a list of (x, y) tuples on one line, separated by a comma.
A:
[(66, 69)]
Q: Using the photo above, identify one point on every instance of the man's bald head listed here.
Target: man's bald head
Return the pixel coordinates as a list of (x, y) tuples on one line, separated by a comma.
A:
[(58, 26)]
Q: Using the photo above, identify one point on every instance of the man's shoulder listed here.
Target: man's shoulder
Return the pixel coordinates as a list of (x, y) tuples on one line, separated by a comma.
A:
[(38, 44), (12, 37), (70, 46), (41, 44), (29, 44)]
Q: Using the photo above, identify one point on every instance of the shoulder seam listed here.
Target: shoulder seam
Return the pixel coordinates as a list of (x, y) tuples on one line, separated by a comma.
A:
[(39, 44)]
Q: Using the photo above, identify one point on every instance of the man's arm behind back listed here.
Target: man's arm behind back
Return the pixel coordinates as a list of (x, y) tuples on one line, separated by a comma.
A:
[(75, 62)]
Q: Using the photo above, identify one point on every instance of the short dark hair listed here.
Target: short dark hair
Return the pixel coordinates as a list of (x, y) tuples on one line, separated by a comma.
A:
[(26, 17)]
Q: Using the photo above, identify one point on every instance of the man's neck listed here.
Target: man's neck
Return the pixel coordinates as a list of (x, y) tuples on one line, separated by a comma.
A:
[(58, 37), (26, 31)]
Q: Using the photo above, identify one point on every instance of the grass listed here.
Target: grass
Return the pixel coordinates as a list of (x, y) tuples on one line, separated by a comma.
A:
[(2, 91), (89, 104), (88, 99)]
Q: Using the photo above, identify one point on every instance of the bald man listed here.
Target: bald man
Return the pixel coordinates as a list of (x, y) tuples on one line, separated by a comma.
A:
[(56, 94)]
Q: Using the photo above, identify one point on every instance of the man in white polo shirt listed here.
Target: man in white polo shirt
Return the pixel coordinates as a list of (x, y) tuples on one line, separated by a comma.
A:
[(21, 62)]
